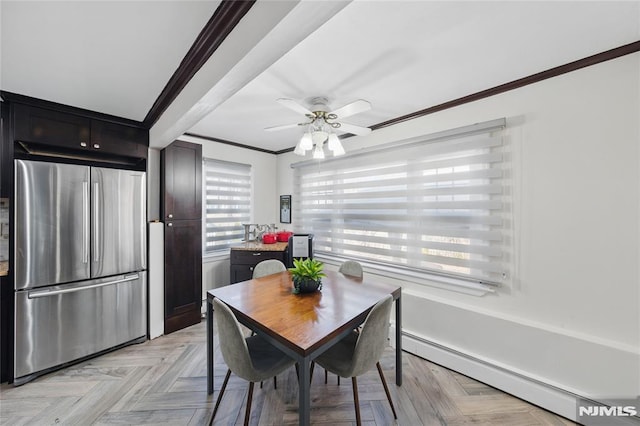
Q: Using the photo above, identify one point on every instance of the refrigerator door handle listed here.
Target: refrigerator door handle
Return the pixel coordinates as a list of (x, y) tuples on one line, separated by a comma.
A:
[(96, 221), (47, 293), (85, 222)]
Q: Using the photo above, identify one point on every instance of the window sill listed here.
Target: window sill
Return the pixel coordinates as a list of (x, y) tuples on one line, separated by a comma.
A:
[(422, 278)]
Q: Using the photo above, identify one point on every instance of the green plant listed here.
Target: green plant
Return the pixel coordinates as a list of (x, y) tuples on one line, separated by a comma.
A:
[(303, 272)]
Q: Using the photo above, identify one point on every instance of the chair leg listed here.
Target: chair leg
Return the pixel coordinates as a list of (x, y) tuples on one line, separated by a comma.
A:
[(386, 389), (313, 364), (326, 375), (275, 383), (338, 380), (247, 413), (224, 386), (356, 401)]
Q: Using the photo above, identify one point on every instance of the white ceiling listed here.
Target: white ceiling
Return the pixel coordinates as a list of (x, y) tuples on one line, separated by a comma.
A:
[(113, 57), (402, 56)]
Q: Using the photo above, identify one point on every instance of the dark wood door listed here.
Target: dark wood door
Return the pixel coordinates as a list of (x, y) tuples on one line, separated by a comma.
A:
[(182, 274), (119, 139), (182, 181), (181, 211)]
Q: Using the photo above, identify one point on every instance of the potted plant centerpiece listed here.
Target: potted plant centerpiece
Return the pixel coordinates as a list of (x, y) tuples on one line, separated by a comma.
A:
[(306, 275)]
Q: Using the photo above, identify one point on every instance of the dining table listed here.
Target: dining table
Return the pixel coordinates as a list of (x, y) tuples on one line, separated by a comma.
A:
[(303, 325)]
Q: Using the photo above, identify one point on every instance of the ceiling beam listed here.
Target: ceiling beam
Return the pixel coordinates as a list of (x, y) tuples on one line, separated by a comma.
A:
[(224, 20), (267, 32)]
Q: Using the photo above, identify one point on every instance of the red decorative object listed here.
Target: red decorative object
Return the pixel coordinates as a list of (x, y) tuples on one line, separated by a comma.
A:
[(283, 236), (269, 238)]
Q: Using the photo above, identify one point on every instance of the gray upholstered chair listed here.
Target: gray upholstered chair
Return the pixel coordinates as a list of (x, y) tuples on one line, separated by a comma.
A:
[(262, 269), (360, 351), (268, 267), (351, 267), (252, 358)]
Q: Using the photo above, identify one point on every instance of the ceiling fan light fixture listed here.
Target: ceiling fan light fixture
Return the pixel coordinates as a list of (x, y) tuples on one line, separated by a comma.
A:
[(319, 136), (306, 142), (322, 124), (299, 150), (335, 146), (318, 153)]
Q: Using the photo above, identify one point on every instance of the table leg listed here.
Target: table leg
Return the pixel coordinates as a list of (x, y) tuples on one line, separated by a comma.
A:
[(304, 386), (399, 340), (209, 347)]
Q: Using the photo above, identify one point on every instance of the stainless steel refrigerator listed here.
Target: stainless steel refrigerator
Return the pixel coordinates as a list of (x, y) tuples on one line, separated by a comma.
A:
[(80, 260)]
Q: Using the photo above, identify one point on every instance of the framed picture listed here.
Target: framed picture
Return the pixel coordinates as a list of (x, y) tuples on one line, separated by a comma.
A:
[(285, 209)]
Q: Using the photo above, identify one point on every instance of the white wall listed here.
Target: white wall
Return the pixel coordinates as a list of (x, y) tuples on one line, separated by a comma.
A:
[(571, 316)]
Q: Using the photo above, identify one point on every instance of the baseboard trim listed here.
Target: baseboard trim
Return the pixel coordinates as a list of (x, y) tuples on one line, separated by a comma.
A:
[(549, 397)]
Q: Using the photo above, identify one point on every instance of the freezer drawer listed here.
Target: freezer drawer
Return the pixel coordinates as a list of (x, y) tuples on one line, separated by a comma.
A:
[(59, 324)]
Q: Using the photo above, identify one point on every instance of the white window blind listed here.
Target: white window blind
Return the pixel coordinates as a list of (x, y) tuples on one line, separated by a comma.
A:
[(227, 203), (437, 204)]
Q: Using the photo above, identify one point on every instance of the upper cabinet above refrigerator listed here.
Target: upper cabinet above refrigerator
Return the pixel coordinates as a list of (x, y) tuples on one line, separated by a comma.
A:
[(47, 130)]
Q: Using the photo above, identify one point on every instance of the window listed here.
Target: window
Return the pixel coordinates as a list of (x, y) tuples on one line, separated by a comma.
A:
[(227, 204), (435, 204)]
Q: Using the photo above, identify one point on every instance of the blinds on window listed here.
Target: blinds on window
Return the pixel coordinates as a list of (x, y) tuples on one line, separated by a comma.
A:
[(438, 204), (227, 203)]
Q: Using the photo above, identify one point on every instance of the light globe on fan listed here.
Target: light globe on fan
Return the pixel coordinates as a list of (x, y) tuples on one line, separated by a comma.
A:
[(323, 124)]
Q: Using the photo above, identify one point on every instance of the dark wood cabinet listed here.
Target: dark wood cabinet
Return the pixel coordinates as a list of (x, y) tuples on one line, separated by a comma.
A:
[(120, 139), (243, 261), (6, 282), (181, 205), (182, 274), (182, 166), (48, 127), (60, 129)]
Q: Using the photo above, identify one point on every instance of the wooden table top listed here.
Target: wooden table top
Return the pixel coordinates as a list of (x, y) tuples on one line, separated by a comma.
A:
[(303, 322)]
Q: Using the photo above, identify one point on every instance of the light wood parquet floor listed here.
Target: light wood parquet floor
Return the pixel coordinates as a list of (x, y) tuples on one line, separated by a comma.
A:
[(163, 381)]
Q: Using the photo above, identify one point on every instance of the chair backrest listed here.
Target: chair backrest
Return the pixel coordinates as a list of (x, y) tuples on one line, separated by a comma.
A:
[(268, 267), (351, 267), (372, 338), (232, 342)]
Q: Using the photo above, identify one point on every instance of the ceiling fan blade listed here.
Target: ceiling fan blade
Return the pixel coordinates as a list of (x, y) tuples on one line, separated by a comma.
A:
[(284, 126), (293, 105), (352, 128), (353, 108)]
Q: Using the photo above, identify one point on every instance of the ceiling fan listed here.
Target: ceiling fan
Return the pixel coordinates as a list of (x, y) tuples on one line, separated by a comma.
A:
[(323, 123)]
